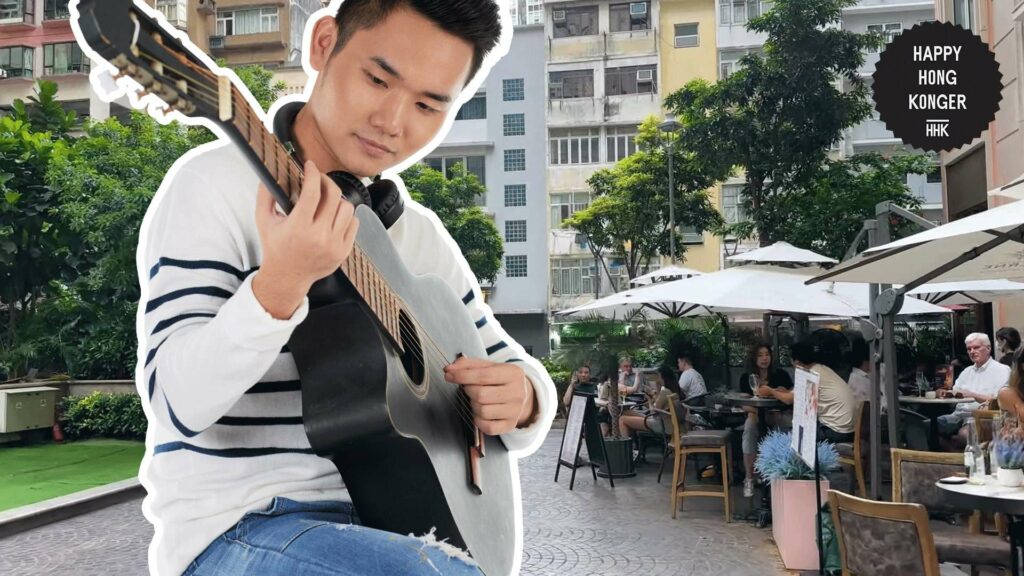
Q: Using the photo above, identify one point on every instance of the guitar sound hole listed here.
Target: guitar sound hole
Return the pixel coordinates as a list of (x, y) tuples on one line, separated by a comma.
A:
[(412, 357)]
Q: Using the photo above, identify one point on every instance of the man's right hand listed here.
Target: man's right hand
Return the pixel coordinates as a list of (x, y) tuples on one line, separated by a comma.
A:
[(304, 246)]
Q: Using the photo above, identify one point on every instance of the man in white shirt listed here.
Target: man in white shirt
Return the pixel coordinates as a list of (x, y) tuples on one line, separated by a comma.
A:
[(232, 480), (980, 382), (691, 383)]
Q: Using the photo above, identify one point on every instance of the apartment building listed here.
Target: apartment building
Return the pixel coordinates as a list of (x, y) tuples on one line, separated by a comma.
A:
[(499, 135), (689, 51), (603, 78)]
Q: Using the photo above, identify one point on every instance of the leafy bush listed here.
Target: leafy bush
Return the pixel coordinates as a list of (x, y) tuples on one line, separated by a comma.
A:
[(103, 414), (776, 459)]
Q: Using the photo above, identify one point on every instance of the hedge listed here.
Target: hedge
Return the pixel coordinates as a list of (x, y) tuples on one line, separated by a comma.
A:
[(103, 414)]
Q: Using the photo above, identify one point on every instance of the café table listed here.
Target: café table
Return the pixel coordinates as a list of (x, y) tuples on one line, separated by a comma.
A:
[(992, 497), (762, 405), (932, 408)]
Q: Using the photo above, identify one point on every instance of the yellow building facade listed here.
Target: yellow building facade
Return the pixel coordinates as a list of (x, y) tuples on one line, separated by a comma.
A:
[(689, 51)]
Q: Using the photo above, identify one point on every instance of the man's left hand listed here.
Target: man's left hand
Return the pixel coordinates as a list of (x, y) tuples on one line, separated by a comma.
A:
[(500, 395)]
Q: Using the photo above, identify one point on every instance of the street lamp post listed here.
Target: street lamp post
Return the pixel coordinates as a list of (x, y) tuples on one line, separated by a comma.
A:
[(669, 126)]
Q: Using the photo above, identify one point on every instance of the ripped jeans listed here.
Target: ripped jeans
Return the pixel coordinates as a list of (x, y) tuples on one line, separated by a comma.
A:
[(292, 538)]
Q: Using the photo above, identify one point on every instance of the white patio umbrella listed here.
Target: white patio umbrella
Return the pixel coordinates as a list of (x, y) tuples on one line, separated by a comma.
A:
[(745, 289), (631, 304), (667, 273), (986, 246), (782, 252), (968, 292)]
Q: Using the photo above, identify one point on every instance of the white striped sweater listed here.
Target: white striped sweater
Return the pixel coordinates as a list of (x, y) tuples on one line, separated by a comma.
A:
[(220, 387)]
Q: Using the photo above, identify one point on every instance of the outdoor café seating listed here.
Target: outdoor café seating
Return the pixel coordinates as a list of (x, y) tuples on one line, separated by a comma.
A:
[(685, 444)]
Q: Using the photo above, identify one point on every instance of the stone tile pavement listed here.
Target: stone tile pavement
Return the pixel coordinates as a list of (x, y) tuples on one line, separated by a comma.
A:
[(592, 530)]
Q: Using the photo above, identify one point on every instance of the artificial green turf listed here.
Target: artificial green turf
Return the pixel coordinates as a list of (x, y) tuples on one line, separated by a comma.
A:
[(30, 474)]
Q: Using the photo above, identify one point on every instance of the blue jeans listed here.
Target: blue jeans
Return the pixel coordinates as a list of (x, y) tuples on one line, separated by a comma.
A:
[(292, 538)]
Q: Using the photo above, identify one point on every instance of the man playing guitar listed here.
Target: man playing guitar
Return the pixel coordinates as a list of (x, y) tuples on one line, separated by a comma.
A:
[(233, 484)]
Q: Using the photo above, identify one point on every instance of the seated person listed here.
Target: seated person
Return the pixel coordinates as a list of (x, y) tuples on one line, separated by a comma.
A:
[(1011, 398), (760, 372), (652, 421), (691, 383), (860, 373), (836, 405), (629, 383), (580, 382), (980, 382), (1008, 342)]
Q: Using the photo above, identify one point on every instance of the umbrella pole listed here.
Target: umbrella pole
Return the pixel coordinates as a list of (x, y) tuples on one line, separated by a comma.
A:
[(728, 357)]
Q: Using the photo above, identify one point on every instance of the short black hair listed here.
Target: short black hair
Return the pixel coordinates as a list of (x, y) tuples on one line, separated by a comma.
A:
[(805, 352), (860, 351), (475, 21), (668, 378)]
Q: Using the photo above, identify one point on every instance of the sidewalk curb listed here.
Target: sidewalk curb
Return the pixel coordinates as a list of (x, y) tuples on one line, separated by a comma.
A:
[(25, 518)]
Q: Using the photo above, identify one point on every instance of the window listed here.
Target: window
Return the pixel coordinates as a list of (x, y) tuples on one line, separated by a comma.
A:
[(630, 80), (446, 164), (247, 21), (565, 205), (515, 266), (963, 13), (16, 61), (571, 84), (725, 69), (732, 204), (12, 11), (515, 231), (513, 124), (888, 31), (729, 62), (512, 89), (686, 35), (64, 58), (575, 146), (573, 277), (621, 142), (574, 21), (56, 10), (630, 16), (515, 195), (515, 160), (690, 235), (474, 109), (176, 11), (934, 175), (741, 11), (534, 11)]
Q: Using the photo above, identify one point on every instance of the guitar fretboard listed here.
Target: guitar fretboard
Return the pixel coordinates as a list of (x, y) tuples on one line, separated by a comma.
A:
[(288, 175)]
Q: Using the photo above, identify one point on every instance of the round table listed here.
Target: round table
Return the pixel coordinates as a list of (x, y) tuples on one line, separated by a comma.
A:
[(932, 408), (764, 514), (991, 497)]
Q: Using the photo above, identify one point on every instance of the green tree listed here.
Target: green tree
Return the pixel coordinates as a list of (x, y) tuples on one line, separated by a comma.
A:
[(843, 196), (259, 81), (778, 115), (452, 200), (44, 113), (630, 211)]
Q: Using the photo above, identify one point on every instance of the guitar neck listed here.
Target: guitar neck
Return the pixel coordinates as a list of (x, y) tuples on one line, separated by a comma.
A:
[(283, 175)]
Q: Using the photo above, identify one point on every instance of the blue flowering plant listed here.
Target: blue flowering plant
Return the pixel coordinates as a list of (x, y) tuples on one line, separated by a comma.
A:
[(1008, 443), (776, 459)]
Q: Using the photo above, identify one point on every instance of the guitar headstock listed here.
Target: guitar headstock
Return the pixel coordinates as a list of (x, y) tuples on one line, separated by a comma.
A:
[(141, 48)]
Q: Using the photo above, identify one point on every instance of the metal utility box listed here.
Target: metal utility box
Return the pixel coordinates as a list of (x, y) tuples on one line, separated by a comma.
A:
[(27, 408)]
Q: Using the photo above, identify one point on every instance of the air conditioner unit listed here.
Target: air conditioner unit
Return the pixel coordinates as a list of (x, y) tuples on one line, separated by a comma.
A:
[(27, 408), (207, 7), (216, 42), (638, 9), (558, 15), (644, 76)]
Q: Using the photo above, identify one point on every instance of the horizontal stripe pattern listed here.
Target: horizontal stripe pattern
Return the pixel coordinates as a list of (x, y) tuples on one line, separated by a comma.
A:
[(199, 265), (196, 291), (481, 322), (165, 324), (278, 386), (492, 349), (260, 420), (228, 452), (468, 297)]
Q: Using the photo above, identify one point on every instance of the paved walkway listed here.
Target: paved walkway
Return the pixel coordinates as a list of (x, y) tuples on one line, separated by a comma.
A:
[(592, 530)]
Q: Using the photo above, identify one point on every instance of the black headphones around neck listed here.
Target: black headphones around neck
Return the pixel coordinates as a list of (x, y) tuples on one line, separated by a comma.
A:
[(381, 195)]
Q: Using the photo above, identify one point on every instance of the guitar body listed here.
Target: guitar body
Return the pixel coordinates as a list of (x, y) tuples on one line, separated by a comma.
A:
[(394, 427)]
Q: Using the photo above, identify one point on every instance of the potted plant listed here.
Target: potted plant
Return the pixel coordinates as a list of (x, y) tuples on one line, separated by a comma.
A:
[(1008, 445), (794, 514)]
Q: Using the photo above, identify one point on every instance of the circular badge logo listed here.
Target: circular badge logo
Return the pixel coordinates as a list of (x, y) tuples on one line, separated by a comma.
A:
[(937, 86)]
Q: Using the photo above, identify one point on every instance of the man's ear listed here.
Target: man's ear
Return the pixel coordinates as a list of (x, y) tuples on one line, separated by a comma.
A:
[(321, 45)]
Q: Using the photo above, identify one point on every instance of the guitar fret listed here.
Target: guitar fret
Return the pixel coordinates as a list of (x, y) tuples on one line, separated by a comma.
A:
[(358, 271)]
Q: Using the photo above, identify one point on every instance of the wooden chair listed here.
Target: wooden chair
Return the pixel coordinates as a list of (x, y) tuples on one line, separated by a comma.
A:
[(882, 538), (983, 422), (983, 419), (851, 453), (696, 442), (914, 475)]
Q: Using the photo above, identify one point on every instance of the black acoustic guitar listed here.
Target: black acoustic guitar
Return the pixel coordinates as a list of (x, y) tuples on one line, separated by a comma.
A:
[(372, 350)]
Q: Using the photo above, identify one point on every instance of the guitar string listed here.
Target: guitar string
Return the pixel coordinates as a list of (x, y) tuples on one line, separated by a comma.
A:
[(459, 400)]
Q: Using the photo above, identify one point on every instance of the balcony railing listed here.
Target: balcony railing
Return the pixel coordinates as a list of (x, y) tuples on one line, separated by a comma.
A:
[(68, 69), (17, 11), (15, 73)]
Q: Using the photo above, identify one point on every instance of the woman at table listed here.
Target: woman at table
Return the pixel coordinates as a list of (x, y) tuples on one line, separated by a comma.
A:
[(635, 420), (1007, 342), (1011, 398), (761, 371)]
